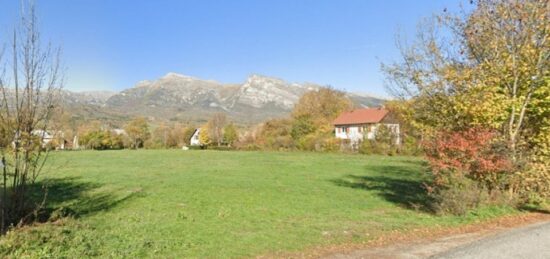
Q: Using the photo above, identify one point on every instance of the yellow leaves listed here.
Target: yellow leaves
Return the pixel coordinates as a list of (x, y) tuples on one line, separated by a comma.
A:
[(322, 106), (204, 137)]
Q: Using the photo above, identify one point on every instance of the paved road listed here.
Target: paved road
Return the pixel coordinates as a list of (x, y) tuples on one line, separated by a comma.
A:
[(527, 242)]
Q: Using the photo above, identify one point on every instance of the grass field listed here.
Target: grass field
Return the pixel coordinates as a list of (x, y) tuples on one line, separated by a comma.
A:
[(174, 203)]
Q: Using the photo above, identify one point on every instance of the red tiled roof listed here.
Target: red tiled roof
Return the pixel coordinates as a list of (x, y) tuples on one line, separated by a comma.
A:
[(361, 116)]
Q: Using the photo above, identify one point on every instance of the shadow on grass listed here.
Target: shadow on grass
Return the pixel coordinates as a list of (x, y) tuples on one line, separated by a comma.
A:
[(535, 209), (73, 197), (401, 185)]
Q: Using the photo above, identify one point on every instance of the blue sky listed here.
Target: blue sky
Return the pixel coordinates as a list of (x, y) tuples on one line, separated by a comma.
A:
[(111, 45)]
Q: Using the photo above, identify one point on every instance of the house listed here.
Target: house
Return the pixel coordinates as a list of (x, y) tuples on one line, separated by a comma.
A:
[(48, 138), (45, 136), (361, 124), (119, 132), (195, 141)]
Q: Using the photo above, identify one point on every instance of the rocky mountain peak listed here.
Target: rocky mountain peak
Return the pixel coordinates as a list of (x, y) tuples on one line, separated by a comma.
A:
[(176, 76), (256, 79), (180, 97)]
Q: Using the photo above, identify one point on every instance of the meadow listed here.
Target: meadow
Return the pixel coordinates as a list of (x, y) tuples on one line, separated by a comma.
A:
[(173, 203)]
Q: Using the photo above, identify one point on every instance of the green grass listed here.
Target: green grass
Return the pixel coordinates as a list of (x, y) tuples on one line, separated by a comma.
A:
[(174, 203)]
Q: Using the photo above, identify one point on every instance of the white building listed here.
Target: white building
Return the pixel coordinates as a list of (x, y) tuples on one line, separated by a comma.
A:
[(195, 141), (361, 124), (119, 132), (46, 137)]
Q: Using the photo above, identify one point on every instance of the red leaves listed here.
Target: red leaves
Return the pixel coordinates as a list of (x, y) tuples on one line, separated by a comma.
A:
[(474, 153)]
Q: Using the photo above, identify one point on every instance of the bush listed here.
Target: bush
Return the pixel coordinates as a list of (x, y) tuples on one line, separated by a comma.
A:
[(459, 196), (475, 153), (319, 142), (466, 163), (274, 134), (410, 146), (374, 147), (102, 140), (331, 144), (533, 184)]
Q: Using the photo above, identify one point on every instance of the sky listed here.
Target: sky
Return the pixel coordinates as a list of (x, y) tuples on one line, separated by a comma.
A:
[(112, 45)]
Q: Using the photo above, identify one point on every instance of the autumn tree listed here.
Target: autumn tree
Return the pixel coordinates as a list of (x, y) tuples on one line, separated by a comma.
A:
[(177, 136), (27, 101), (138, 132), (204, 135), (486, 69), (187, 134), (159, 137), (230, 134), (276, 134), (320, 107), (313, 114), (215, 128)]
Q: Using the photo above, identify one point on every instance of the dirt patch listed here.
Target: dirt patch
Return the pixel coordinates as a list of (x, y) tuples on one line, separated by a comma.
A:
[(418, 243)]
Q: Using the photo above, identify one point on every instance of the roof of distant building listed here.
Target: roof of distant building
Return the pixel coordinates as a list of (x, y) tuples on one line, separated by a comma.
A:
[(361, 116)]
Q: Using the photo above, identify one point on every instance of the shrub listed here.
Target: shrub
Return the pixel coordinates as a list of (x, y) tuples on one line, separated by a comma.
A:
[(459, 196), (475, 153), (331, 144), (410, 146), (533, 184), (319, 142), (101, 140), (274, 134), (464, 163), (367, 147), (375, 147)]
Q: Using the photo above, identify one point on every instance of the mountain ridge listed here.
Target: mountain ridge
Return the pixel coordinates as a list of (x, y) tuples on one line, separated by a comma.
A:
[(181, 97)]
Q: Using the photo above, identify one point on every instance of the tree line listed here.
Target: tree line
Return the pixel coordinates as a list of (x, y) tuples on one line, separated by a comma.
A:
[(474, 88)]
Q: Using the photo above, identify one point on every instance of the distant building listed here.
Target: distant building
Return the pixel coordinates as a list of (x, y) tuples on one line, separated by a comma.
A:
[(119, 132), (47, 137), (195, 140), (361, 124)]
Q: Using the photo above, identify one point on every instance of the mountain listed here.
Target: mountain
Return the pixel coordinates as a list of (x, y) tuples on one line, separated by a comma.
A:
[(89, 97), (184, 98)]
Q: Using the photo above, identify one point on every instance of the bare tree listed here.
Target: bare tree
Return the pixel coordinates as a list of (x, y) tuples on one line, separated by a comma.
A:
[(28, 98), (215, 127)]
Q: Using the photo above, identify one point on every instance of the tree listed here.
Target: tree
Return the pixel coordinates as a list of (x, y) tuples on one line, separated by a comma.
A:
[(187, 134), (102, 140), (28, 100), (313, 114), (321, 106), (230, 134), (176, 137), (410, 131), (275, 134), (159, 137), (138, 131), (487, 68), (302, 126), (215, 128), (204, 136)]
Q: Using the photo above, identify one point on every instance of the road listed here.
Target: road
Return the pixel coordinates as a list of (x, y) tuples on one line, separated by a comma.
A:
[(530, 241), (527, 242)]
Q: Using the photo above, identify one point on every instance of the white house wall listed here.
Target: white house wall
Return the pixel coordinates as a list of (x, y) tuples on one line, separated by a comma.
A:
[(355, 134), (195, 141)]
